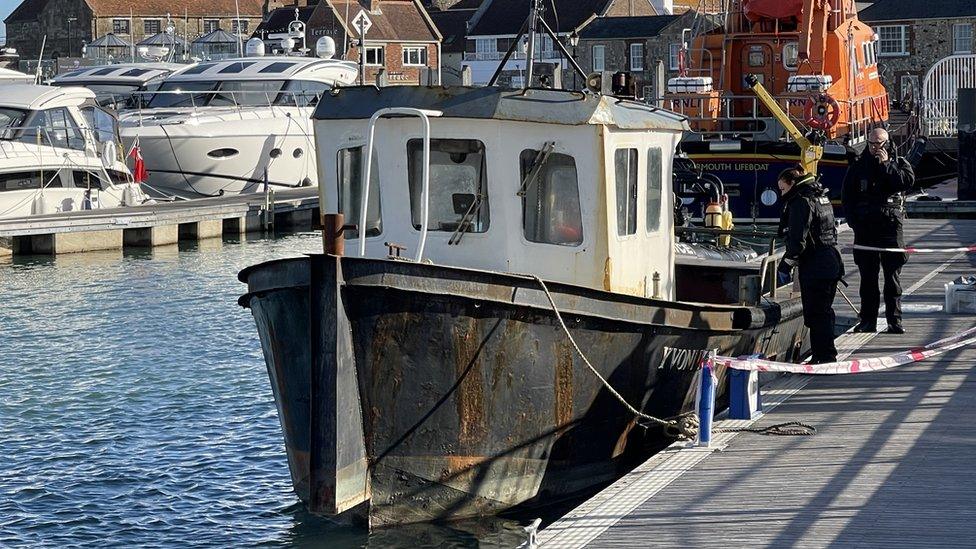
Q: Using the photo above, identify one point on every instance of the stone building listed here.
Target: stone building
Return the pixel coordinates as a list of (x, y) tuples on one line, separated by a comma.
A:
[(69, 24), (452, 22), (401, 40), (914, 35)]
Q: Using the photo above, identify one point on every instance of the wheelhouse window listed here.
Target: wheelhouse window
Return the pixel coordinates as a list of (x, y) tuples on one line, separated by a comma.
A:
[(247, 93), (654, 189), (151, 26), (791, 56), (962, 38), (182, 94), (416, 56), (625, 165), (20, 181), (302, 93), (375, 55), (551, 203), (120, 26), (893, 40), (350, 166), (458, 199), (637, 57), (599, 58)]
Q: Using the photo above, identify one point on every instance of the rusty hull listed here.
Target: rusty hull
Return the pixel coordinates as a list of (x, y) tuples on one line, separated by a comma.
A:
[(467, 398)]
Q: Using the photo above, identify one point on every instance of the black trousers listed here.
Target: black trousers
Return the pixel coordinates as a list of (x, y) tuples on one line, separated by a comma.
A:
[(869, 263), (818, 315)]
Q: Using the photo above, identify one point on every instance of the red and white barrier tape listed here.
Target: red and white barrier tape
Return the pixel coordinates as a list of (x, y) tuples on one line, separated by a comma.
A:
[(914, 250), (872, 364)]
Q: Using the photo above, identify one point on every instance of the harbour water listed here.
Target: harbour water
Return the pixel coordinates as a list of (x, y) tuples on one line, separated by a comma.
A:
[(135, 409)]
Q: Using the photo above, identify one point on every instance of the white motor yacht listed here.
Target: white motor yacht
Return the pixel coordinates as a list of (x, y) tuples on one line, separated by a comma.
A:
[(10, 76), (230, 126), (59, 152)]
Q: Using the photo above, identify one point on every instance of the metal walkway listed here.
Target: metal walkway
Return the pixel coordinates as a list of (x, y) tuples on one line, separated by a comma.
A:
[(890, 466)]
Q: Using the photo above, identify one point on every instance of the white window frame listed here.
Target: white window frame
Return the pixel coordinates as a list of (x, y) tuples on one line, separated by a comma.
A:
[(486, 49), (117, 23), (602, 57), (795, 46), (210, 25), (636, 56), (674, 50), (145, 26), (237, 24), (899, 40), (962, 38), (377, 61), (421, 52)]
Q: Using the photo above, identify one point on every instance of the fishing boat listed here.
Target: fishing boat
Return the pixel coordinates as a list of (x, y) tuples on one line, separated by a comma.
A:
[(432, 373), (817, 60), (59, 152)]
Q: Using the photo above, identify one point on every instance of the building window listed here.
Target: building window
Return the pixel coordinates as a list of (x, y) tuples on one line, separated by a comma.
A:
[(655, 185), (415, 55), (894, 40), (375, 55), (120, 26), (350, 164), (486, 49), (599, 58), (551, 203), (239, 26), (625, 163), (151, 26), (458, 187), (674, 57), (210, 25), (962, 38), (637, 57)]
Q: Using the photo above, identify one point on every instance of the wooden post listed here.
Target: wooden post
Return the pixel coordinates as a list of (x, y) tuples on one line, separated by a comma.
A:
[(333, 239)]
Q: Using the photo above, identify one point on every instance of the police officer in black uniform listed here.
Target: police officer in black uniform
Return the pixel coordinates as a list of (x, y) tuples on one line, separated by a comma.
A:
[(807, 224), (874, 207)]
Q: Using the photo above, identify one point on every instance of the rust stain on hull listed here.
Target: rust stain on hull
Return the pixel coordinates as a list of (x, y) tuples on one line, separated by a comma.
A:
[(563, 385), (469, 398)]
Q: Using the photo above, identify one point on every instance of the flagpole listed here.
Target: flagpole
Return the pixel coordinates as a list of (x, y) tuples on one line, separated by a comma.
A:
[(237, 8), (132, 36)]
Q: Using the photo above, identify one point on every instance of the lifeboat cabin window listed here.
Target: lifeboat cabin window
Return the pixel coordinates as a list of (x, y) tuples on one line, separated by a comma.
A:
[(458, 189), (551, 203), (791, 56), (350, 163), (20, 181), (625, 164), (654, 184)]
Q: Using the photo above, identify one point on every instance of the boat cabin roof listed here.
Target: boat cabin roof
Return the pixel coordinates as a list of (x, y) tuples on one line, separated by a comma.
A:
[(34, 97), (128, 73), (9, 75), (270, 68), (533, 105)]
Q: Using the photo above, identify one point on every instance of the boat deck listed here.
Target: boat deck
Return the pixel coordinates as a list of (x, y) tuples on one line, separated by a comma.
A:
[(890, 465)]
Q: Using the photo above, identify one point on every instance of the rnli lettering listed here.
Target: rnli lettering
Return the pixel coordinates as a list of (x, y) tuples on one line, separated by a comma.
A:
[(735, 166), (682, 359)]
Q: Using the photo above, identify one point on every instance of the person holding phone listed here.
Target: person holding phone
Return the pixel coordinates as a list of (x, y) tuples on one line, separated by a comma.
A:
[(874, 205)]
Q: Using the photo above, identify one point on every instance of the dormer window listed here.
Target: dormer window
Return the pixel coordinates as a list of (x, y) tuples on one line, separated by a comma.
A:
[(458, 199)]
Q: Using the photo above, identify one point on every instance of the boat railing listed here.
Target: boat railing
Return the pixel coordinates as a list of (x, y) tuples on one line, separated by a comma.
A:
[(726, 115)]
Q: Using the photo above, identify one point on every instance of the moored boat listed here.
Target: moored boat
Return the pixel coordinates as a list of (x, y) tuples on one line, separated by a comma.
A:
[(445, 385)]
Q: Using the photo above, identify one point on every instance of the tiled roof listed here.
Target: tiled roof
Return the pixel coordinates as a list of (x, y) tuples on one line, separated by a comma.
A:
[(397, 21), (503, 17), (248, 8), (900, 10), (627, 27)]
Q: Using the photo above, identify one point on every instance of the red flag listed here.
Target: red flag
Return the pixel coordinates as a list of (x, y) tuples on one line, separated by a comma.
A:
[(139, 172)]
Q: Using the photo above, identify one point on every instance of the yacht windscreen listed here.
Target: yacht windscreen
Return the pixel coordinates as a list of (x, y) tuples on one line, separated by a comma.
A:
[(458, 185), (181, 94), (10, 119), (247, 93)]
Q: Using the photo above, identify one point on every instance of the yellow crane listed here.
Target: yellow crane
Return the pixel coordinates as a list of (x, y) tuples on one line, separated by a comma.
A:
[(810, 152)]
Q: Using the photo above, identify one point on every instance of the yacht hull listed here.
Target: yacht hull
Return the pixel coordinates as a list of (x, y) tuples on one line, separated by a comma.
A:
[(411, 392), (225, 155)]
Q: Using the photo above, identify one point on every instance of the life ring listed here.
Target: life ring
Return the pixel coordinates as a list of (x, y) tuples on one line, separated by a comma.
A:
[(821, 112)]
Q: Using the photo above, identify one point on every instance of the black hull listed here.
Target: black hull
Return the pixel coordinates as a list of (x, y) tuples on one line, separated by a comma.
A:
[(434, 393)]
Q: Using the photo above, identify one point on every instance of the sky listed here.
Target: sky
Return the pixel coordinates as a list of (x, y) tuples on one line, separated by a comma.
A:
[(6, 6)]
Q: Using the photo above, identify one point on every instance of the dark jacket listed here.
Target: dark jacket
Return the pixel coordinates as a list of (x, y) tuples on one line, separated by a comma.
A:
[(873, 201), (807, 224)]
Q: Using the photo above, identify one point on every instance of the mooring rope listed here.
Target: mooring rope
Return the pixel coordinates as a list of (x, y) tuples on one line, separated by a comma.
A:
[(681, 426), (787, 428)]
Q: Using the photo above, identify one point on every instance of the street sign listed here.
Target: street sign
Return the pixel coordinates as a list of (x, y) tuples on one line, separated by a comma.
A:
[(361, 22)]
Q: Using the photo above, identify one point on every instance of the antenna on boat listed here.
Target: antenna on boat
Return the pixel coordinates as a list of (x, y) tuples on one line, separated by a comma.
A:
[(534, 23)]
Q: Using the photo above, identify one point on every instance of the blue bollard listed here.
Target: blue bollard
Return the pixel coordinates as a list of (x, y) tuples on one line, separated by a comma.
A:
[(706, 404), (745, 398)]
